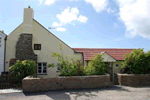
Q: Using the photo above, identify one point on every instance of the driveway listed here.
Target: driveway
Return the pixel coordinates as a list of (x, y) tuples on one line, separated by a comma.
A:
[(110, 93)]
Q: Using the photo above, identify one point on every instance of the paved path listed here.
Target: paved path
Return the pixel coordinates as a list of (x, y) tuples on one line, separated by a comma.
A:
[(109, 93)]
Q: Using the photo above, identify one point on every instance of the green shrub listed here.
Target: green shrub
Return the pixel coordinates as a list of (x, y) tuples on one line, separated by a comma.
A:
[(138, 62), (72, 67), (68, 67), (96, 66), (21, 69)]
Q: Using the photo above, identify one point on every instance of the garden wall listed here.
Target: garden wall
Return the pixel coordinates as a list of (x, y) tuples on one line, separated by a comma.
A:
[(73, 82), (134, 79)]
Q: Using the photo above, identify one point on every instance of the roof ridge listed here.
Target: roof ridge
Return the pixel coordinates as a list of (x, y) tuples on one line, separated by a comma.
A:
[(104, 48)]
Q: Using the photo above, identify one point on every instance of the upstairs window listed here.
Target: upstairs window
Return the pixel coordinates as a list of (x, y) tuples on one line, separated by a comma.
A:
[(37, 46)]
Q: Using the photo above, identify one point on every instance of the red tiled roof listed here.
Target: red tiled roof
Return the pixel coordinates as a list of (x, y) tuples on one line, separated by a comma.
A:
[(117, 54)]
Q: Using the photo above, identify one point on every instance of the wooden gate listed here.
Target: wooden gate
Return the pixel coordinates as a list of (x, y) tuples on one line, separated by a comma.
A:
[(5, 81), (116, 79)]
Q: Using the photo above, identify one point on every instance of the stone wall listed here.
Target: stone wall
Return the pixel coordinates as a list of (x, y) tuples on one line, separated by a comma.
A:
[(134, 79), (24, 49), (73, 82)]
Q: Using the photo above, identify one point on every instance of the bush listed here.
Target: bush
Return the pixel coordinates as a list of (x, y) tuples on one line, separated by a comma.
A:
[(68, 67), (21, 69), (72, 67), (96, 66), (138, 62)]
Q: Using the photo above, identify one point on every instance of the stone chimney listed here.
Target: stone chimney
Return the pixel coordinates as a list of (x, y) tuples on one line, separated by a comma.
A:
[(24, 49), (27, 20)]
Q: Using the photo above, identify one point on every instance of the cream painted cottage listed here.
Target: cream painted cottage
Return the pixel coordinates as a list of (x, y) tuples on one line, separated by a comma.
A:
[(30, 40)]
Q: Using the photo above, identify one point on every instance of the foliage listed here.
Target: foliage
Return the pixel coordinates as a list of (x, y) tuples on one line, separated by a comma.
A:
[(96, 66), (72, 67), (68, 67), (21, 69), (138, 62)]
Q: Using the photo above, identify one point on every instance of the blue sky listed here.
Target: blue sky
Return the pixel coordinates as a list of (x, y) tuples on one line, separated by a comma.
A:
[(86, 23)]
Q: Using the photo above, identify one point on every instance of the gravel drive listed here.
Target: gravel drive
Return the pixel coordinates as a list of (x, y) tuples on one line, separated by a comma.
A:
[(109, 93)]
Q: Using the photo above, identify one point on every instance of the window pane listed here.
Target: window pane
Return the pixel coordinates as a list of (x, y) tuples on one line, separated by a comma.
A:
[(62, 66), (58, 68), (39, 71), (35, 47), (44, 64), (39, 67), (39, 47), (39, 64), (44, 68), (44, 71)]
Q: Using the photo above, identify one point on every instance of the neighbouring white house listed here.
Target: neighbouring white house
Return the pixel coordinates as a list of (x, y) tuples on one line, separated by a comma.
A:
[(3, 38), (32, 41)]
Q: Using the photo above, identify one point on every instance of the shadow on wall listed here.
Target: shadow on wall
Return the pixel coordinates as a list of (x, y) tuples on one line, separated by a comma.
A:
[(67, 94)]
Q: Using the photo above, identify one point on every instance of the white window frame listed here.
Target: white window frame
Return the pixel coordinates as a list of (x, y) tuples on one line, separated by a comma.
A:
[(42, 67)]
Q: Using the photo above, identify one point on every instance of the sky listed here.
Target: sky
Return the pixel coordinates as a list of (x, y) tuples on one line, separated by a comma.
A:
[(86, 23)]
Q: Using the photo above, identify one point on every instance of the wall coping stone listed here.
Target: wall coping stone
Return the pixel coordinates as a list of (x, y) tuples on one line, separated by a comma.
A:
[(30, 78), (132, 74)]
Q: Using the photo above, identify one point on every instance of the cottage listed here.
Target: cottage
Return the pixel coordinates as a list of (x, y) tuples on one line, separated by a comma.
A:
[(32, 41)]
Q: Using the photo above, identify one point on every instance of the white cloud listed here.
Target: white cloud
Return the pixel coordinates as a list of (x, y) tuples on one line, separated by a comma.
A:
[(135, 14), (49, 2), (68, 15), (98, 5), (56, 24), (71, 14), (61, 29), (82, 19), (109, 10)]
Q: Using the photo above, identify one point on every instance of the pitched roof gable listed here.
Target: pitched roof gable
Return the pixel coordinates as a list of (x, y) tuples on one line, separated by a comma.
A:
[(52, 34)]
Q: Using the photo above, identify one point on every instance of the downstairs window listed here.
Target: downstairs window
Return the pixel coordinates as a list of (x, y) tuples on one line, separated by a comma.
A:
[(41, 68)]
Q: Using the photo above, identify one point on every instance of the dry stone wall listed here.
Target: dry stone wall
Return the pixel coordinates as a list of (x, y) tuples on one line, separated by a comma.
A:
[(73, 82), (134, 79)]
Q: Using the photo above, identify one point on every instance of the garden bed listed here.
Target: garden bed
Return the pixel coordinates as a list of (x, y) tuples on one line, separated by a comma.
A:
[(134, 79), (58, 83)]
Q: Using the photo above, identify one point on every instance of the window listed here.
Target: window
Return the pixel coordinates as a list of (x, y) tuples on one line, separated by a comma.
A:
[(117, 65), (58, 69), (42, 68), (37, 46)]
